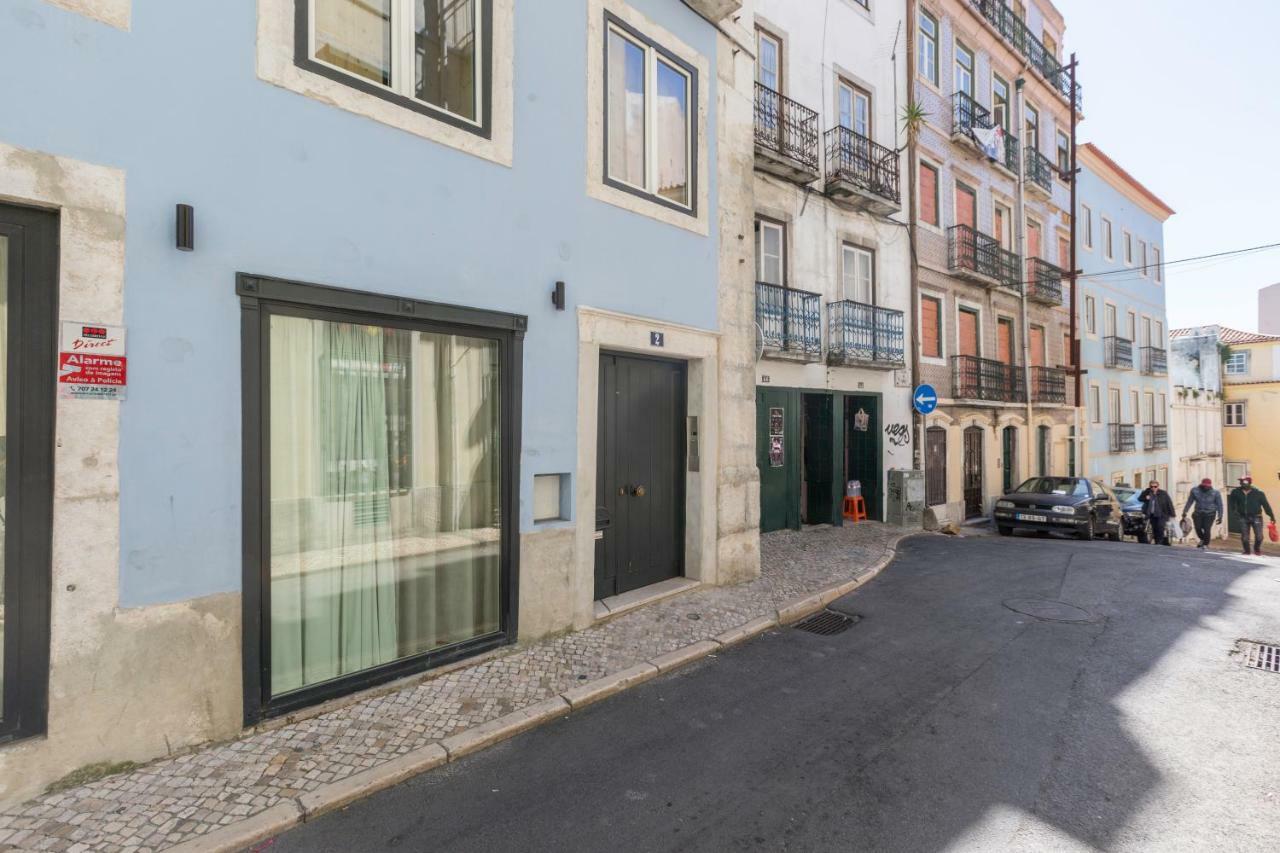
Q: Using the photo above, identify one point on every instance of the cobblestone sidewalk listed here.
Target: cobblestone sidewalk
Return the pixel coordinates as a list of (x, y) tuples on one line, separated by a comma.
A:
[(178, 799)]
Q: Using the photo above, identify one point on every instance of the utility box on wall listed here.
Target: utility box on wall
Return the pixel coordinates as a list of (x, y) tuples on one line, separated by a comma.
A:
[(905, 506)]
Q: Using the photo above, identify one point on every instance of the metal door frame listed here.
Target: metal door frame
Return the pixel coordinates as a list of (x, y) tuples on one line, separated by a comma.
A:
[(981, 434)]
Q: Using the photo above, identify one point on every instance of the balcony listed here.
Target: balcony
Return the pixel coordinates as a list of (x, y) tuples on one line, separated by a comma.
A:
[(790, 322), (1120, 438), (1155, 437), (1044, 282), (865, 335), (1015, 31), (786, 137), (1040, 171), (1155, 361), (975, 256), (862, 173), (974, 378), (968, 117), (1118, 352), (1049, 385)]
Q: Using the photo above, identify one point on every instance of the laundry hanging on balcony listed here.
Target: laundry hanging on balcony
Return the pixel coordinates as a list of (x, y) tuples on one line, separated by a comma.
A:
[(991, 141)]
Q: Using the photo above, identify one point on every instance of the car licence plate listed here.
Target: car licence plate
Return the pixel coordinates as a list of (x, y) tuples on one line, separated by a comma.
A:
[(1022, 516)]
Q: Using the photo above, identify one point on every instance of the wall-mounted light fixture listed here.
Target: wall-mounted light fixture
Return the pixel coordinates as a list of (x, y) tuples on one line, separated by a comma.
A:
[(557, 296), (186, 228)]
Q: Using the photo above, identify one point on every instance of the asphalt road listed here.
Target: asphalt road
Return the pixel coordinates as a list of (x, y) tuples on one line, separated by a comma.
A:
[(943, 720)]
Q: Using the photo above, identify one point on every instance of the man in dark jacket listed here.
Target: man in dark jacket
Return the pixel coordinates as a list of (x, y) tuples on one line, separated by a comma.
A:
[(1207, 504), (1248, 504), (1158, 507)]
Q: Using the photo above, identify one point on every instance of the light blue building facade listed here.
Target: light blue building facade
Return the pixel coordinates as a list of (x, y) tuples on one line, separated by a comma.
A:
[(1123, 326), (439, 258)]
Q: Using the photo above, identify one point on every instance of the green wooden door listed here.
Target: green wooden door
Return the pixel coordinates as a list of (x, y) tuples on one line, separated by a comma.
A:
[(777, 455), (819, 453)]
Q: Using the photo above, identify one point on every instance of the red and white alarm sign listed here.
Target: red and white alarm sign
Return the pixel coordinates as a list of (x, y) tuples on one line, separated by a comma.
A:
[(92, 364)]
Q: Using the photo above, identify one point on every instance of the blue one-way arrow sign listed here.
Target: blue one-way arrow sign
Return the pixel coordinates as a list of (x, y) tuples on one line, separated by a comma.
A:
[(925, 399)]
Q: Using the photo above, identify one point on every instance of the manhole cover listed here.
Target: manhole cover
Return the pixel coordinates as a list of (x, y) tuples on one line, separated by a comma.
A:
[(1261, 656), (1049, 611), (826, 623)]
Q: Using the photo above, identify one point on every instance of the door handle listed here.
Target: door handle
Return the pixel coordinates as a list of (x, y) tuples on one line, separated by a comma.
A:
[(638, 491)]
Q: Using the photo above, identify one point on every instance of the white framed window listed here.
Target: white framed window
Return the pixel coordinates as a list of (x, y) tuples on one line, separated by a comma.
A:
[(427, 55), (1095, 404), (1238, 363), (1108, 240), (1162, 407), (1108, 319), (769, 60), (858, 272), (964, 70), (1149, 408), (649, 129), (1032, 141), (1113, 406), (1064, 155), (1131, 326), (1128, 249), (1234, 415), (927, 48), (854, 106), (1091, 315), (1157, 339), (1156, 264), (1086, 224), (1000, 101), (771, 252), (1133, 404), (1142, 255)]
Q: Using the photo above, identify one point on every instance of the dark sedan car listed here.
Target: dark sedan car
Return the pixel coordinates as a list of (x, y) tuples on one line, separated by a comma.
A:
[(1136, 523), (1083, 507)]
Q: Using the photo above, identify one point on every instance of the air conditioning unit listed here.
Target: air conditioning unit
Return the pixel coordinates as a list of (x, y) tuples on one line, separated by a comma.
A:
[(905, 506)]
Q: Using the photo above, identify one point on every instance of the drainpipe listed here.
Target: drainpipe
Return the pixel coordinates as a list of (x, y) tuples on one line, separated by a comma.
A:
[(917, 420), (1021, 224), (1074, 363)]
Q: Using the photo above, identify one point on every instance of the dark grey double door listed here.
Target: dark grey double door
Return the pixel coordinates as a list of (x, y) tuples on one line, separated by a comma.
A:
[(640, 462)]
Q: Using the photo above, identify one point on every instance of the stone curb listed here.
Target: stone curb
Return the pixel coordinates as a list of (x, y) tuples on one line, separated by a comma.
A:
[(335, 795), (237, 836)]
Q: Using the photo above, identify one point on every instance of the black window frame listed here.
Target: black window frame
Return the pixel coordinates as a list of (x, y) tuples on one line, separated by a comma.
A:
[(31, 419), (691, 209), (303, 59), (260, 298)]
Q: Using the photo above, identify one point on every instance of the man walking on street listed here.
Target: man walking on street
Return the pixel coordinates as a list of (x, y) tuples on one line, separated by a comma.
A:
[(1158, 507), (1248, 504), (1207, 502)]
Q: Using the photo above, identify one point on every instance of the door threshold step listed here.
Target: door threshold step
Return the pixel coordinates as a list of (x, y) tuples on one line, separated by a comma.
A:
[(614, 605)]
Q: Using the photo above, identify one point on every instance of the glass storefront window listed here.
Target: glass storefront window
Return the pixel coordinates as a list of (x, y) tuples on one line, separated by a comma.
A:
[(384, 495)]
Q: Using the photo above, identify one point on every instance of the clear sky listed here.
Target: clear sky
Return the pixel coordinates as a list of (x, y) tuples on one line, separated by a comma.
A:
[(1185, 95)]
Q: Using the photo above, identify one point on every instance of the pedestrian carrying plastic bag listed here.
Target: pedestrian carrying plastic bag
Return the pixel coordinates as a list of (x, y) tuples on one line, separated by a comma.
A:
[(1272, 533), (1186, 527)]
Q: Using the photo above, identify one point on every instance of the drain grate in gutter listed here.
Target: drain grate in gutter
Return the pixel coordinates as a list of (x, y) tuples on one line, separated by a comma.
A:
[(1261, 656), (826, 623)]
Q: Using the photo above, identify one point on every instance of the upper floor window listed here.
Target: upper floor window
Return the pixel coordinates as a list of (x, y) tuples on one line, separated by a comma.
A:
[(1095, 404), (927, 48), (1091, 315), (855, 108), (1050, 45), (1064, 155), (858, 270), (1238, 363), (1108, 243), (769, 60), (1155, 263), (1000, 101), (428, 55), (1235, 415), (649, 135), (928, 194), (771, 247), (931, 326), (1142, 255), (1032, 140), (964, 70), (1128, 248), (1086, 221)]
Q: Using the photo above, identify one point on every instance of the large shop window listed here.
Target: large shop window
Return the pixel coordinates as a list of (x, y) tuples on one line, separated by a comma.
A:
[(383, 511), (650, 133), (431, 56), (28, 311)]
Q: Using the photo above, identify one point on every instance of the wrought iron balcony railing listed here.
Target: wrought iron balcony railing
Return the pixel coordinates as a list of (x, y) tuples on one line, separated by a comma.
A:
[(1121, 438), (1016, 32), (866, 165), (1044, 282), (1048, 385), (866, 334), (786, 128), (1118, 352), (1155, 437), (968, 116), (1155, 361), (1040, 169), (790, 320), (973, 253), (974, 378)]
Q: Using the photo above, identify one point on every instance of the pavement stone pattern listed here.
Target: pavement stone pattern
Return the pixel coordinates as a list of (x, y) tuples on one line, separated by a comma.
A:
[(180, 798)]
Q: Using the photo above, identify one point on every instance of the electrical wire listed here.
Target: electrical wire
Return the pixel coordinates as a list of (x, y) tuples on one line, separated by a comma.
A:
[(1135, 273)]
